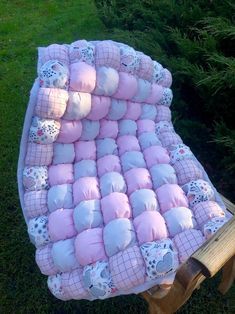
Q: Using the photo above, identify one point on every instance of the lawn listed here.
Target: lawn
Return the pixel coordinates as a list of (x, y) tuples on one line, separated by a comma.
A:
[(24, 26)]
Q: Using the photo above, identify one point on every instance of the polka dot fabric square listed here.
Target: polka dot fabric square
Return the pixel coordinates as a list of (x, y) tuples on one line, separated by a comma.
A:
[(111, 196)]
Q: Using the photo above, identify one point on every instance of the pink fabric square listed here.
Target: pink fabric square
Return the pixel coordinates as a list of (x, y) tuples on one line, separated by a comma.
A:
[(107, 54), (150, 226), (60, 174), (108, 163), (55, 52), (115, 205), (85, 150), (156, 155), (38, 154), (108, 128), (127, 86), (137, 178), (171, 195), (72, 285), (60, 225), (186, 171), (99, 107), (146, 67), (207, 210), (127, 143), (155, 95), (89, 246), (70, 131), (163, 113), (133, 110), (82, 77), (44, 261), (169, 138), (51, 103), (35, 203), (145, 125), (187, 242), (86, 188), (127, 268)]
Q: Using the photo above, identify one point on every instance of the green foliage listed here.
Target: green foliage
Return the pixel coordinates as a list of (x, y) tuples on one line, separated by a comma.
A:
[(195, 40), (226, 140)]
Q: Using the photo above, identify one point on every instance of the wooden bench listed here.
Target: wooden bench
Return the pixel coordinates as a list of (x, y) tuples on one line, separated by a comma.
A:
[(217, 253)]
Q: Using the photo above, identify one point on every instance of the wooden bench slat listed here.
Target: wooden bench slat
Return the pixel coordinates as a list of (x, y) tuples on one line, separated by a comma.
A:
[(218, 250), (229, 205)]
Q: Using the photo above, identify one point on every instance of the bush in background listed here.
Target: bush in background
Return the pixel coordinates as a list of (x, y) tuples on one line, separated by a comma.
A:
[(196, 41)]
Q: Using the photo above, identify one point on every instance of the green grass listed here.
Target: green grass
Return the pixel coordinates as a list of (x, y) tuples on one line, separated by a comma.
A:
[(25, 25)]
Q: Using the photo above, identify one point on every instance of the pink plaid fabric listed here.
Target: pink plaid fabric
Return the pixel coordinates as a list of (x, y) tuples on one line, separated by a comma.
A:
[(187, 242), (55, 52), (186, 170), (146, 67), (205, 211), (39, 155), (169, 138), (127, 268), (163, 113), (51, 103), (72, 284), (44, 260), (35, 203), (107, 54)]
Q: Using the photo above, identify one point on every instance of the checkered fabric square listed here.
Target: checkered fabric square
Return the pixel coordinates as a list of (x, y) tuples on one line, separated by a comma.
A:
[(51, 103), (187, 242), (127, 268), (146, 67), (169, 138), (39, 155), (205, 211), (186, 170), (35, 203), (107, 54), (72, 284), (55, 52), (44, 260), (163, 113)]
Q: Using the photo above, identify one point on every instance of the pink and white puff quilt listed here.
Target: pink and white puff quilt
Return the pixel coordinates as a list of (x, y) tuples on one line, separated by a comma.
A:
[(113, 200)]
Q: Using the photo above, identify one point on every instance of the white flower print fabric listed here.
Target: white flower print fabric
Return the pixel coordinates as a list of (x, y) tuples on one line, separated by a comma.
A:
[(160, 258)]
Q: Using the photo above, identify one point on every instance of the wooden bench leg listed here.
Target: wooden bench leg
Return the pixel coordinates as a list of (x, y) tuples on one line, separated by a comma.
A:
[(169, 304), (228, 276), (187, 280)]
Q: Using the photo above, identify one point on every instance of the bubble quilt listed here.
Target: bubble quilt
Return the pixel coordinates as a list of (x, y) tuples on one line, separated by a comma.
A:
[(113, 200)]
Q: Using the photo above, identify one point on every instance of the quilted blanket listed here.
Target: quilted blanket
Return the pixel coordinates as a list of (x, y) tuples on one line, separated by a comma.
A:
[(113, 200)]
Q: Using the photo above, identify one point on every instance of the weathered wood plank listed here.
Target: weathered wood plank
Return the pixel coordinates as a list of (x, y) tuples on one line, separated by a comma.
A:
[(229, 205), (218, 250), (228, 276), (188, 278)]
